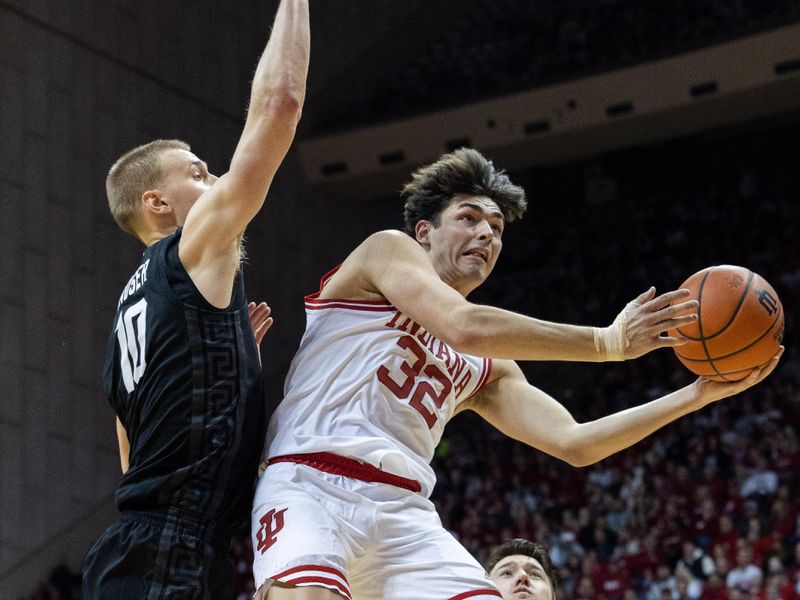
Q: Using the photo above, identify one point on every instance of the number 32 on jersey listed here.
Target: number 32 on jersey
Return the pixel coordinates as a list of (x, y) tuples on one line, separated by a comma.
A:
[(412, 381)]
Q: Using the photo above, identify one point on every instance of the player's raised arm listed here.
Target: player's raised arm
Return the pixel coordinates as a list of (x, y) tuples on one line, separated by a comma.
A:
[(529, 415), (278, 91)]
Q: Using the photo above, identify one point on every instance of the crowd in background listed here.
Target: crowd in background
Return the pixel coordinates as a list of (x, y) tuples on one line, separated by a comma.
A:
[(705, 508), (496, 47)]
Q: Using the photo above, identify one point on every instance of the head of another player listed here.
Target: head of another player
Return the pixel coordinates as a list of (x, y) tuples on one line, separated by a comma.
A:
[(522, 570), (457, 208), (152, 187)]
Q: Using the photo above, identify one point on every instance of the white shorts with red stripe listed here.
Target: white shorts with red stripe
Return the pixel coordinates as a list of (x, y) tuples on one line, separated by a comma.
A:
[(364, 540)]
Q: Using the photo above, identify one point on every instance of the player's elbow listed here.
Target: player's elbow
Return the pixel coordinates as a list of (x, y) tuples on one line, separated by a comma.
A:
[(284, 104), (575, 450), (579, 458)]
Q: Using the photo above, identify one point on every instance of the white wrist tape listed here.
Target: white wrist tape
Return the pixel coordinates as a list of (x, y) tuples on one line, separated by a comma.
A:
[(610, 342)]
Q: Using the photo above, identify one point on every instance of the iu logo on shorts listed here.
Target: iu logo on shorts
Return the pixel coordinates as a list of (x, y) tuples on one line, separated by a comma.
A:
[(271, 525)]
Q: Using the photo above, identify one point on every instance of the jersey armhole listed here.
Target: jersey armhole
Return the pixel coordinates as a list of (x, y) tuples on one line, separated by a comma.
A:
[(175, 273), (485, 374)]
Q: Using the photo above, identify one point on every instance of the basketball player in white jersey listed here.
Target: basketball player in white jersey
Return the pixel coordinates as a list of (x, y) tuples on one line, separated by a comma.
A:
[(392, 350)]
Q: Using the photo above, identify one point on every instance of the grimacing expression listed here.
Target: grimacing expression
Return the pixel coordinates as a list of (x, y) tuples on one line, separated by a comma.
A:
[(466, 243), (521, 577)]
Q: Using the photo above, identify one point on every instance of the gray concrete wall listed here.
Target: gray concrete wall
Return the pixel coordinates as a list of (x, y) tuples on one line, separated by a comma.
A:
[(80, 83), (78, 88)]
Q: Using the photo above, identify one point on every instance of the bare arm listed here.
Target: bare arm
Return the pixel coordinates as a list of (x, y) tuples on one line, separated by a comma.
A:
[(124, 446), (392, 265), (527, 414), (209, 243)]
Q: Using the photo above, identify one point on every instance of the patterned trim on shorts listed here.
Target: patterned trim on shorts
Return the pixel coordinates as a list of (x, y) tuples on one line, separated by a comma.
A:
[(478, 595), (315, 575)]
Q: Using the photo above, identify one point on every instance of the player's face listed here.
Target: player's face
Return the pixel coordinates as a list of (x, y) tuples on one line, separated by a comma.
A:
[(186, 179), (465, 246), (520, 577)]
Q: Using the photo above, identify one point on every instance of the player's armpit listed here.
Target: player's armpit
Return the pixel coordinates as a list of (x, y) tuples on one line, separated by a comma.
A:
[(526, 413)]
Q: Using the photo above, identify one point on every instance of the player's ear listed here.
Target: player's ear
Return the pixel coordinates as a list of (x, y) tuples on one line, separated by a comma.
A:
[(153, 203), (422, 231)]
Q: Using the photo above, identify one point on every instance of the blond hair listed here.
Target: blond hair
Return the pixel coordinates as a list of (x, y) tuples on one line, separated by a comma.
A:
[(134, 173)]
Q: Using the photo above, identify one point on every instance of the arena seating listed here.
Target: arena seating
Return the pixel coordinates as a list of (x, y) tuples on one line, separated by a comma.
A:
[(497, 47), (717, 488)]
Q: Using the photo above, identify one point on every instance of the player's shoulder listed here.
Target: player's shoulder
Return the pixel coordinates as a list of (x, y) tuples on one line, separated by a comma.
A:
[(388, 243), (389, 237), (356, 277)]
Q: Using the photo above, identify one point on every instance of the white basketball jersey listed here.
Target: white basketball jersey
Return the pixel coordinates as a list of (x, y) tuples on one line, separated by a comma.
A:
[(371, 384)]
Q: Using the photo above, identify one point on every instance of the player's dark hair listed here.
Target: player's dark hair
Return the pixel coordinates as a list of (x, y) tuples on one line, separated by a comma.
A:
[(465, 171), (525, 548)]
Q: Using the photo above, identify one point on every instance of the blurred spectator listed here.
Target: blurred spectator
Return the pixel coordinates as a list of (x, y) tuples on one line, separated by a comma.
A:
[(761, 480), (695, 566), (745, 576)]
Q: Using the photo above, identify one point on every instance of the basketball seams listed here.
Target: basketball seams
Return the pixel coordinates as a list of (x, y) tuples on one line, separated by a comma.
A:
[(742, 298), (767, 331), (734, 320), (700, 323)]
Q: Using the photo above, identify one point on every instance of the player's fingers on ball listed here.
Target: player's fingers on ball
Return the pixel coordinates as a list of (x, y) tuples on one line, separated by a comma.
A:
[(646, 296), (668, 341), (676, 322), (685, 308), (763, 371), (770, 365), (688, 308), (668, 298)]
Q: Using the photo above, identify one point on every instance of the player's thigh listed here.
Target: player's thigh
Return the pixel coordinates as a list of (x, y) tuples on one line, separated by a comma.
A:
[(417, 558), (299, 538)]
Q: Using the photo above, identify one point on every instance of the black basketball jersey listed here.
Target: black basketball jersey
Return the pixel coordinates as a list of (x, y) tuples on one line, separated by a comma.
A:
[(184, 378)]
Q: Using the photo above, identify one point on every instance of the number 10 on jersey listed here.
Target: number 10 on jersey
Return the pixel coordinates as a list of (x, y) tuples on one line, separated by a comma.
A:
[(131, 335)]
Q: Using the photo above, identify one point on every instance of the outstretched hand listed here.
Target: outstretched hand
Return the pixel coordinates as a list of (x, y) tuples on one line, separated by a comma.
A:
[(260, 319), (649, 316), (711, 391)]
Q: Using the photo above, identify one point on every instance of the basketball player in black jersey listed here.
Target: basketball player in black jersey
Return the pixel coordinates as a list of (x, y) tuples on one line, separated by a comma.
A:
[(182, 370)]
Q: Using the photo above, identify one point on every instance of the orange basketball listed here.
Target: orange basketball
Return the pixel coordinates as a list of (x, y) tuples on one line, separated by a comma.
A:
[(739, 325)]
